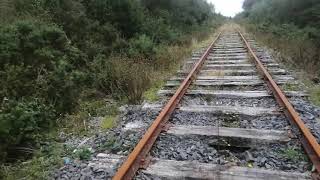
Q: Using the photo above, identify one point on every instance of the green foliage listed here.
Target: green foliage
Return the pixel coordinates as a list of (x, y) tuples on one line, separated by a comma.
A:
[(151, 94), (77, 122), (303, 14), (32, 44), (108, 122), (53, 52), (141, 45), (112, 145), (83, 153), (39, 61), (23, 121), (98, 108), (182, 13)]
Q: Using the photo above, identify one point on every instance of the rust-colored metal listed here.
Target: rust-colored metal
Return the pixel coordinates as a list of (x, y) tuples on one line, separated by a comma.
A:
[(135, 158), (309, 142)]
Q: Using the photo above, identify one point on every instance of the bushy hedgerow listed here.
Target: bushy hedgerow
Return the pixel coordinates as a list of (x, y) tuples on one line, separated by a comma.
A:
[(37, 60), (39, 78)]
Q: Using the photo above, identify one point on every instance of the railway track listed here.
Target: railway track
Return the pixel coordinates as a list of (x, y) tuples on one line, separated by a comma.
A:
[(226, 119)]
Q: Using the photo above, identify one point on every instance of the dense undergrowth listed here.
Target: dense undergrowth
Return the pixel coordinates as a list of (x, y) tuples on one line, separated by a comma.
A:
[(292, 27), (61, 61)]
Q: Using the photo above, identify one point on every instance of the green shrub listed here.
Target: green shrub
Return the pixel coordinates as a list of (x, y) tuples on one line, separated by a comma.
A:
[(23, 121), (38, 60), (83, 153), (141, 45)]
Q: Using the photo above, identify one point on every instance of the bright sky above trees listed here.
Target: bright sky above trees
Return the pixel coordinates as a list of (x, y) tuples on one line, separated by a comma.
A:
[(227, 7)]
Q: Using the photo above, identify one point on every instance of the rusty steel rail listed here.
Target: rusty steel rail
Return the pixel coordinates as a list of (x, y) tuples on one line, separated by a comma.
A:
[(309, 142), (138, 156)]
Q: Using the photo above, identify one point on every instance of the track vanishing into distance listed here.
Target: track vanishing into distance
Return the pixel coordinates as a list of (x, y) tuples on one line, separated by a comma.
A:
[(226, 119)]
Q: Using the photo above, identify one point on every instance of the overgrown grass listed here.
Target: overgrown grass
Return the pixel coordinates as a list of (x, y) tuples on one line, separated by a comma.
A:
[(78, 122), (108, 122), (151, 94)]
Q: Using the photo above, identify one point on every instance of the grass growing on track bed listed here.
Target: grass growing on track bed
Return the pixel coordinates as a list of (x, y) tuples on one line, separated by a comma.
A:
[(108, 122)]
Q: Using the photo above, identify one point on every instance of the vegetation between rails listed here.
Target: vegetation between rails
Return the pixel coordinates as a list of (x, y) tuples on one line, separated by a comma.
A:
[(62, 61)]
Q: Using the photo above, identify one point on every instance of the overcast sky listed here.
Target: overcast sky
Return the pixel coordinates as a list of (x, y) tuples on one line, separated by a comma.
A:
[(227, 7)]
